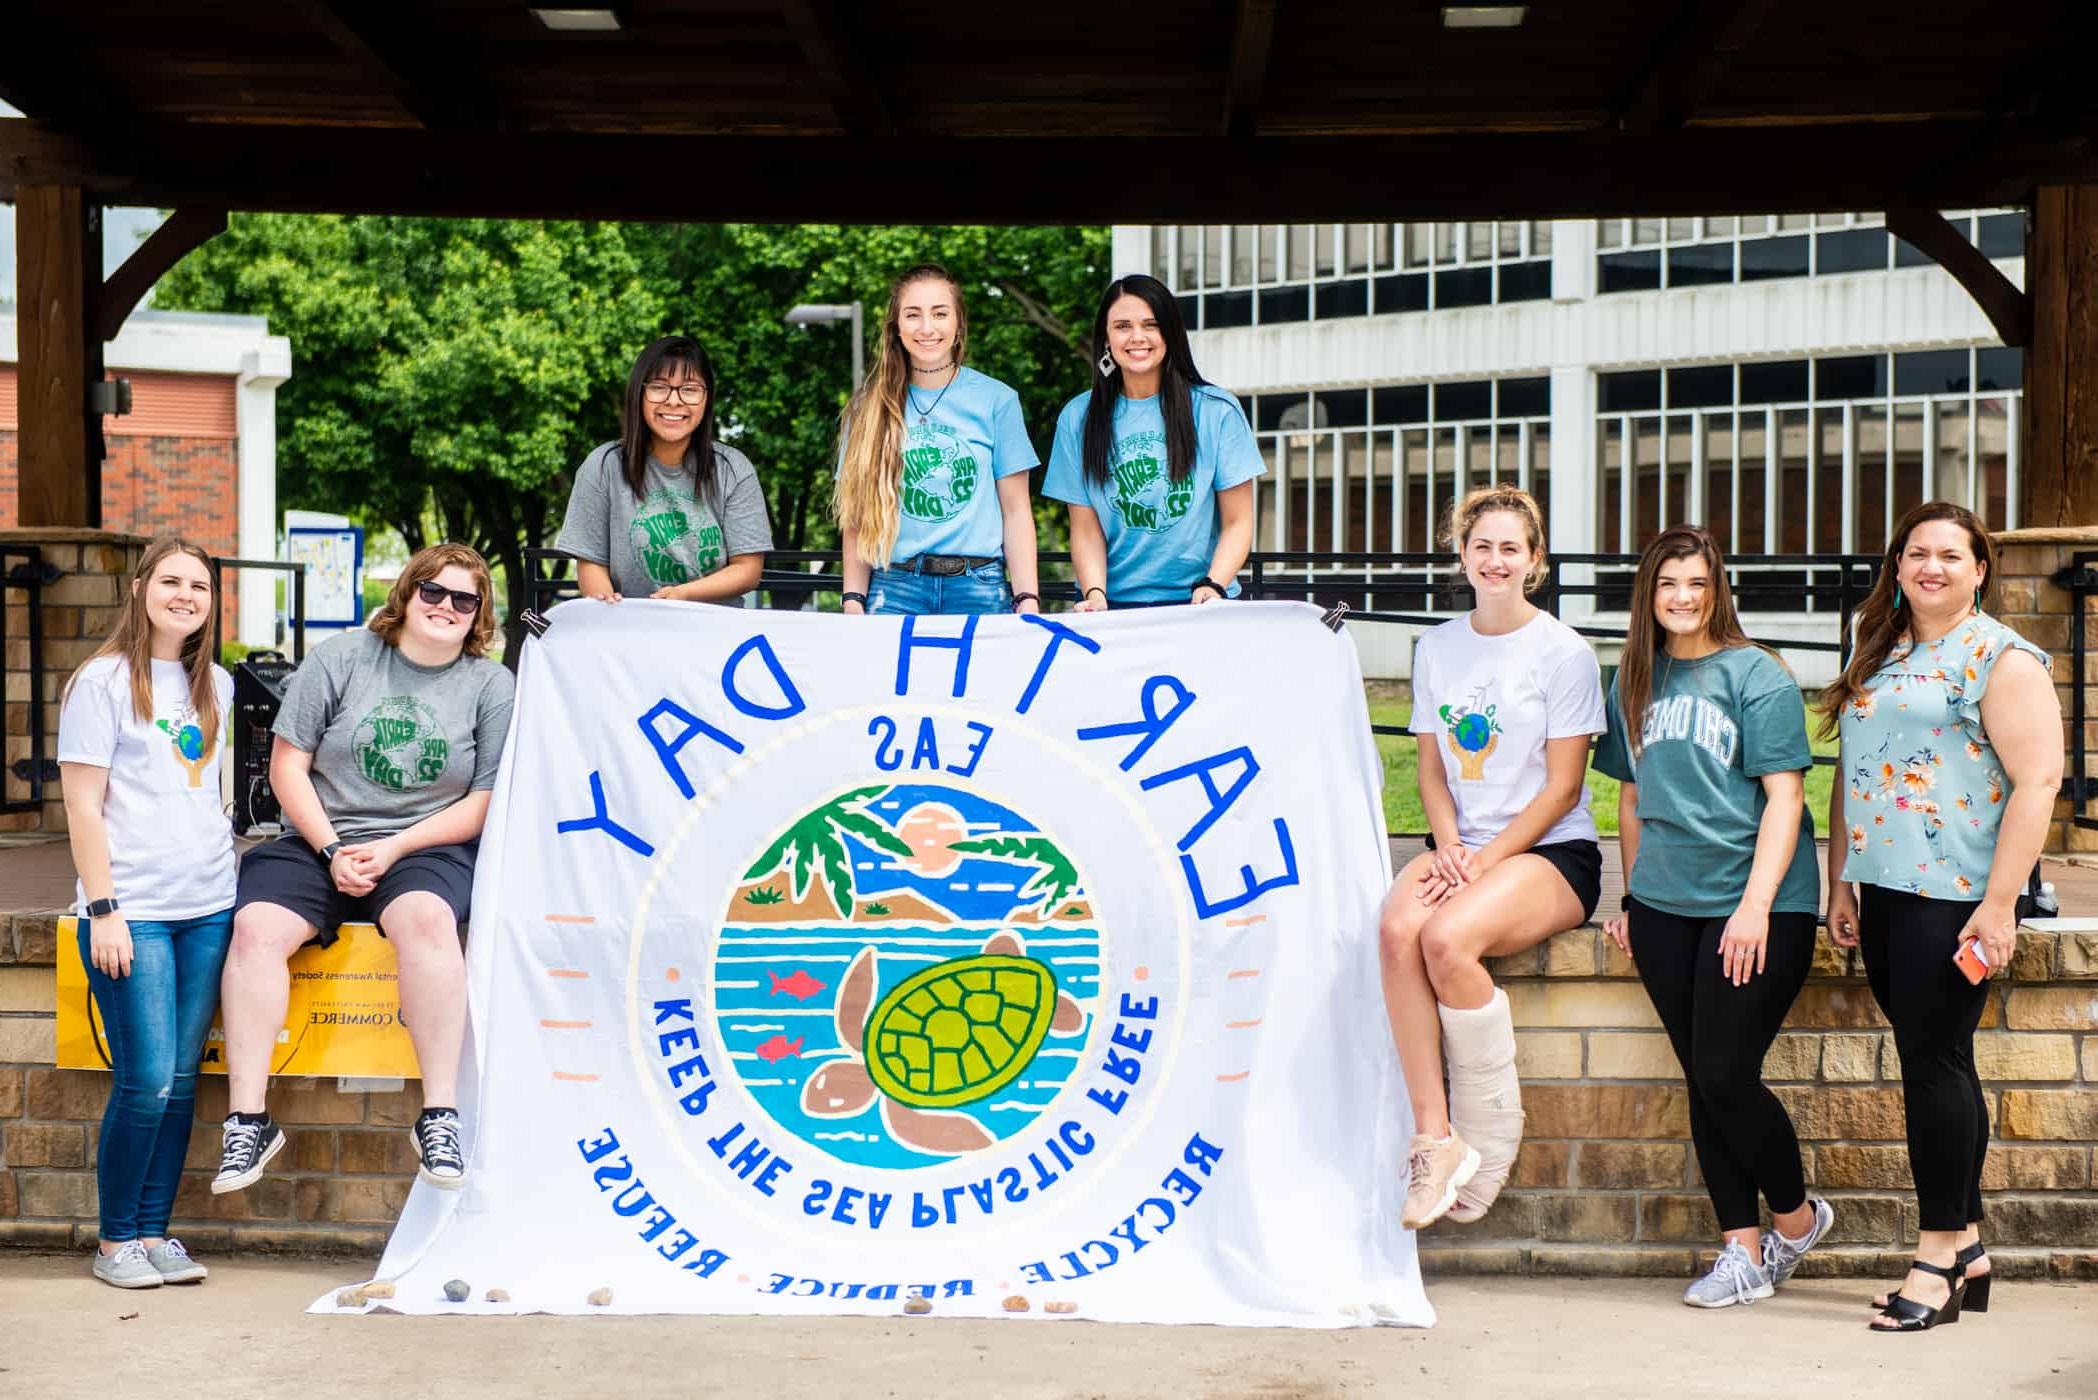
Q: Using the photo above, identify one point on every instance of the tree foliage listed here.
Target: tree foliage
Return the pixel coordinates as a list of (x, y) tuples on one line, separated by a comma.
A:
[(455, 371)]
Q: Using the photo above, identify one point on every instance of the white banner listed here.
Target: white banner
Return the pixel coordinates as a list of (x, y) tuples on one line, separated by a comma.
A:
[(1024, 966)]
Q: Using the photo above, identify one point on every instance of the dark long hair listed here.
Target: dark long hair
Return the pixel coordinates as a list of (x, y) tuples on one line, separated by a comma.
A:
[(634, 436), (1880, 620), (1643, 635), (1177, 381)]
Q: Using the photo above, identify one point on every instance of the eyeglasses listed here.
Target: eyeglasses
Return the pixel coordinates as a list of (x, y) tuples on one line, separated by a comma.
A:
[(433, 593), (660, 390)]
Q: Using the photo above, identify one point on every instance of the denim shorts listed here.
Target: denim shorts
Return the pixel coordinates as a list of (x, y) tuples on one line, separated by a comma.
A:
[(978, 590)]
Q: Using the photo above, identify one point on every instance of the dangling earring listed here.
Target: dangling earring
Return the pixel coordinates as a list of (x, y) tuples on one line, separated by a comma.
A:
[(1106, 363), (1977, 599)]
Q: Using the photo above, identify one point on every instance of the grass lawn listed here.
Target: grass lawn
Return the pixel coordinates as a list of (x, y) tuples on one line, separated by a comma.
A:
[(1393, 704)]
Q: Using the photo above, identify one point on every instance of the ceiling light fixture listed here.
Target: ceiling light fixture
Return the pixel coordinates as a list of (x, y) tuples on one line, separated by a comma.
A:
[(578, 21), (1483, 16)]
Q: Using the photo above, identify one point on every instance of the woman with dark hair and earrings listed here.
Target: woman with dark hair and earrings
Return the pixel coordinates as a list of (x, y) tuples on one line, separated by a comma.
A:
[(1709, 737), (1951, 756), (1156, 463), (931, 497), (666, 511)]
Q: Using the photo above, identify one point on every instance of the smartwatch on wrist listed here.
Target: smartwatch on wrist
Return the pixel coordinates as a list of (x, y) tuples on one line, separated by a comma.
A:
[(329, 852), (859, 598), (101, 908), (1206, 582)]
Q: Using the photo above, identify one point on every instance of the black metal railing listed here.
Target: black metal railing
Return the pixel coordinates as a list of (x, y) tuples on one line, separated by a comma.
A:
[(2080, 579), (298, 596), (24, 573)]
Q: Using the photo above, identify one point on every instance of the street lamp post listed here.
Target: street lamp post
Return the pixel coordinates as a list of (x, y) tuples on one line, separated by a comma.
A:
[(821, 315)]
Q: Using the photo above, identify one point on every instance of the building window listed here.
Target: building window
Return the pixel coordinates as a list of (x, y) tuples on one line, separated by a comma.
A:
[(1375, 470), (1269, 274), (1643, 255), (1806, 457)]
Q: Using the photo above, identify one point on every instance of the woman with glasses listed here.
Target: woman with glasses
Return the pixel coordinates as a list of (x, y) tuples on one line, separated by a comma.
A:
[(666, 511), (386, 752), (931, 498)]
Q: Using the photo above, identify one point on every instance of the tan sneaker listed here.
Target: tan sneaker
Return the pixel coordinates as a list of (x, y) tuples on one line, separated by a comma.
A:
[(1435, 1167)]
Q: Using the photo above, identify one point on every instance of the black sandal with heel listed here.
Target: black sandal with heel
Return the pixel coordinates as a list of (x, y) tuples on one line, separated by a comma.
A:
[(1977, 1299), (1912, 1316)]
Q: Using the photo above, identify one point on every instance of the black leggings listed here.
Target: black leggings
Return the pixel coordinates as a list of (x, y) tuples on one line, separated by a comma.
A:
[(1744, 1138), (1908, 941)]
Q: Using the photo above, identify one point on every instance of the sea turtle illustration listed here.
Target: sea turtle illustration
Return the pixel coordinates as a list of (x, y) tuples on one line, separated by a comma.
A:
[(956, 1033), (1472, 736)]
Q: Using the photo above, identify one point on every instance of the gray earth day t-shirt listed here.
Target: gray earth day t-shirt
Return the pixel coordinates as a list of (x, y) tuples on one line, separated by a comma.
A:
[(394, 742), (671, 535), (1714, 728)]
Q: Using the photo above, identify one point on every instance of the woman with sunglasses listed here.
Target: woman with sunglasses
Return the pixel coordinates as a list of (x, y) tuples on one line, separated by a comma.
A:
[(386, 752), (666, 511)]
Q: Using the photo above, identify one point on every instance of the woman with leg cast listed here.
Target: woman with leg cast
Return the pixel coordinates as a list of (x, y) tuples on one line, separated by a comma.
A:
[(933, 509), (1709, 738), (385, 754), (1505, 700), (140, 749), (1951, 756), (1156, 463)]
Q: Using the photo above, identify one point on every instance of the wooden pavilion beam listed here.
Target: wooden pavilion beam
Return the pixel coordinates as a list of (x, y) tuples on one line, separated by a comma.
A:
[(179, 234), (1689, 61), (41, 75), (387, 43), (1709, 170), (1251, 39), (2009, 310), (58, 256), (849, 83), (2058, 469)]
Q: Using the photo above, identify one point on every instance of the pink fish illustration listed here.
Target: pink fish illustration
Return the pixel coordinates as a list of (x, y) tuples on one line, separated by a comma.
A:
[(799, 986), (780, 1048)]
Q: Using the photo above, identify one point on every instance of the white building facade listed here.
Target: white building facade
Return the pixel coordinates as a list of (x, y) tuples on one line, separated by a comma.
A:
[(1792, 382)]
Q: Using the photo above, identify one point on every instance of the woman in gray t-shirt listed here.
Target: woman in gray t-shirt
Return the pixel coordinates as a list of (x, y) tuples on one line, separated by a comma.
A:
[(667, 512)]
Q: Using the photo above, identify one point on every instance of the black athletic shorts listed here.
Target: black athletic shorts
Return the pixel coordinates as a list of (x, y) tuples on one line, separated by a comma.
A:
[(287, 872), (1579, 863)]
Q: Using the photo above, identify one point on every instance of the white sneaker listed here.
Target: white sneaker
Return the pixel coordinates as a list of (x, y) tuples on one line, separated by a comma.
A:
[(127, 1268), (1735, 1278)]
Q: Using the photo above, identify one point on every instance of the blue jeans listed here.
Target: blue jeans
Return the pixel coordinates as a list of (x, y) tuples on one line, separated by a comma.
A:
[(155, 1020), (979, 590)]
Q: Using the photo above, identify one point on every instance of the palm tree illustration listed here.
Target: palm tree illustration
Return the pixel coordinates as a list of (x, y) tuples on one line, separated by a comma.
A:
[(815, 847), (1054, 880)]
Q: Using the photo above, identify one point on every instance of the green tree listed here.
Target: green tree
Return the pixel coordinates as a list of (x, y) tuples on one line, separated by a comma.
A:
[(455, 371)]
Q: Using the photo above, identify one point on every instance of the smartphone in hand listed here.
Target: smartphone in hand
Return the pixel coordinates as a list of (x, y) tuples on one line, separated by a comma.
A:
[(1972, 962)]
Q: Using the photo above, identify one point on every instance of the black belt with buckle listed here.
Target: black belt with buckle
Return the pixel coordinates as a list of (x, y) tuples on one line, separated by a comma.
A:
[(944, 565)]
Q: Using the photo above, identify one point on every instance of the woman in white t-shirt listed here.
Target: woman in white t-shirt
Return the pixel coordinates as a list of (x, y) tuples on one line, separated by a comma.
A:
[(140, 748), (1505, 700)]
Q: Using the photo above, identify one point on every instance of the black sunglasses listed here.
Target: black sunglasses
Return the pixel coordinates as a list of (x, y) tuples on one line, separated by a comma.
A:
[(434, 593)]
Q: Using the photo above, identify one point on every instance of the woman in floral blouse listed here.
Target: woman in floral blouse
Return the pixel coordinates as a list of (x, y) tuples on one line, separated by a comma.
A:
[(1951, 754)]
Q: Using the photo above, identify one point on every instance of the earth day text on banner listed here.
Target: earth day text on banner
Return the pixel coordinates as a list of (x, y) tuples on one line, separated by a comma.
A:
[(820, 963), (343, 1017)]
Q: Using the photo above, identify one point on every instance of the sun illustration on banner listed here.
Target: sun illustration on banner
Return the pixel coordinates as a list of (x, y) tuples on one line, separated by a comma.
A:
[(903, 974)]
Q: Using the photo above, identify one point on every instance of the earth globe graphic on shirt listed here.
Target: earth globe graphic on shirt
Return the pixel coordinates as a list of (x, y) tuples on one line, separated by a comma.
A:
[(1472, 735), (1146, 496), (400, 744), (939, 472), (671, 546), (190, 750)]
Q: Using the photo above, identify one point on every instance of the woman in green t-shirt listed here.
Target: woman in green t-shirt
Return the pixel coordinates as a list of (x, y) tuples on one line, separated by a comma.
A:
[(1708, 735)]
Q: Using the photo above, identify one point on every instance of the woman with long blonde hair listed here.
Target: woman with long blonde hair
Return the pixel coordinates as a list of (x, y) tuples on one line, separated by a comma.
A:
[(1950, 758), (1708, 735), (140, 748), (931, 497), (385, 756)]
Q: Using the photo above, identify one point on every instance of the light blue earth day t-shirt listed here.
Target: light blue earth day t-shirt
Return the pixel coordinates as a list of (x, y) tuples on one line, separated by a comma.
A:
[(1161, 533), (1714, 727), (957, 444)]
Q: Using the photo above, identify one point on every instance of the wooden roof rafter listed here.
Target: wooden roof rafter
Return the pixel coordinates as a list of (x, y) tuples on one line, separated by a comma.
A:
[(1688, 62), (1252, 38), (848, 81), (389, 46)]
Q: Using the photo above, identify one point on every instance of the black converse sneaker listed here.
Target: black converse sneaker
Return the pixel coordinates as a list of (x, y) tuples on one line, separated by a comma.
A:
[(251, 1139), (436, 1136)]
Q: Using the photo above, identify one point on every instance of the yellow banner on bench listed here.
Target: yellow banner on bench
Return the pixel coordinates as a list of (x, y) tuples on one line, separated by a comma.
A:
[(344, 1017)]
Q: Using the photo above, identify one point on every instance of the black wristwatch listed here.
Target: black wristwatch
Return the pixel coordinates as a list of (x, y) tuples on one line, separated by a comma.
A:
[(1209, 583), (859, 598), (1034, 598), (101, 908), (328, 852)]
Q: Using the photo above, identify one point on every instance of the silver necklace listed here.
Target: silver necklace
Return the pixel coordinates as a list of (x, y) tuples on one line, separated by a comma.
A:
[(926, 412)]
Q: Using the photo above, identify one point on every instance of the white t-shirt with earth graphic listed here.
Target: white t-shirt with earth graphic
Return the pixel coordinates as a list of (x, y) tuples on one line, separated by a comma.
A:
[(672, 534), (394, 742)]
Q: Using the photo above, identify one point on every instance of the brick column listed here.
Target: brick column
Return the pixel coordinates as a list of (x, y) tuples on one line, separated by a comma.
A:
[(2029, 601), (78, 610)]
